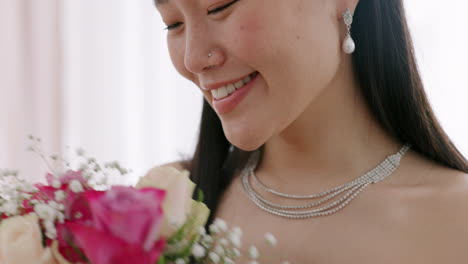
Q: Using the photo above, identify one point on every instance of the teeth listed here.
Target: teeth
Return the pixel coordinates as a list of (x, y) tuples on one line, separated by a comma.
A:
[(239, 84), (229, 89), (222, 92)]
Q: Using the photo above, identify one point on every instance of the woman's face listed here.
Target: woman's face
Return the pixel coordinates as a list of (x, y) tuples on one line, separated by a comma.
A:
[(293, 45)]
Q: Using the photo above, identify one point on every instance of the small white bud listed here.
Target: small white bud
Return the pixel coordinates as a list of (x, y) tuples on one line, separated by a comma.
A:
[(59, 196), (271, 239), (219, 250), (237, 230), (201, 231), (235, 239), (228, 260), (198, 251), (214, 229), (253, 252), (76, 187), (221, 224), (214, 257), (180, 261), (223, 242), (56, 184), (44, 212)]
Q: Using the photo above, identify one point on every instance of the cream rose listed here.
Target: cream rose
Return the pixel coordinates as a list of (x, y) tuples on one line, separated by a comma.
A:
[(178, 204), (21, 241), (55, 252)]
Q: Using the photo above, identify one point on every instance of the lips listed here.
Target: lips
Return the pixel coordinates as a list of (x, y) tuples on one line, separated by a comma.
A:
[(226, 90), (229, 102)]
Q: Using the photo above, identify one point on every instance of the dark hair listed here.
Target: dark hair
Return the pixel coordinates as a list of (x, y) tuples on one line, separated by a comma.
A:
[(386, 69)]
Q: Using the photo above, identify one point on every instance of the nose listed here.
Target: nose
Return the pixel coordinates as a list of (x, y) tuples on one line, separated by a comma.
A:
[(200, 50)]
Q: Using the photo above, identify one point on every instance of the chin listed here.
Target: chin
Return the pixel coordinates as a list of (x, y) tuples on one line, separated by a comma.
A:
[(245, 140)]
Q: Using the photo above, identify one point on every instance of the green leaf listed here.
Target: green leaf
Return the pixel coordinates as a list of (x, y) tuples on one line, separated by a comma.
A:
[(201, 196), (162, 260)]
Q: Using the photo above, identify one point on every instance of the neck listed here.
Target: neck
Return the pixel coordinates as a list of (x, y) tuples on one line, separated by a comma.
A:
[(334, 140)]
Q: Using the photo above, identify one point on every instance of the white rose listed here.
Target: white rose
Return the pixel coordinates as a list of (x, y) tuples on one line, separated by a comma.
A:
[(178, 202), (21, 241)]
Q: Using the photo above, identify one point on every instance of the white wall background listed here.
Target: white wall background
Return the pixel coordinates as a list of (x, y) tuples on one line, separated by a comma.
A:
[(96, 74)]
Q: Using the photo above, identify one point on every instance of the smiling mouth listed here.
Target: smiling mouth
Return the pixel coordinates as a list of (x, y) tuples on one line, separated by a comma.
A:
[(227, 90)]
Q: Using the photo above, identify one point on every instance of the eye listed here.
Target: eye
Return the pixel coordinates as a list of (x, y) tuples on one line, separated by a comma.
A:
[(221, 8), (173, 26), (210, 12)]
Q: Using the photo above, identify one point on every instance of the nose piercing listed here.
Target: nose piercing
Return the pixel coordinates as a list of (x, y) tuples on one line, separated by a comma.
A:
[(210, 54)]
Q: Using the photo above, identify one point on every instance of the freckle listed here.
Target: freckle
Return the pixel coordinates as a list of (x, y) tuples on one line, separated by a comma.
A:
[(242, 28), (298, 37)]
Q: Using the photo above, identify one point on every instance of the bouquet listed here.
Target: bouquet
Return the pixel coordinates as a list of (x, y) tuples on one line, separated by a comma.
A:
[(77, 217)]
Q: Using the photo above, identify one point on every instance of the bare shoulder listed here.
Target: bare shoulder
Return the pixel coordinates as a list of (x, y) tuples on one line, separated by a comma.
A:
[(435, 201)]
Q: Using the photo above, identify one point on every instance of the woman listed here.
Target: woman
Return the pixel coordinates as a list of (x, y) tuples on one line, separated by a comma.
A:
[(299, 99)]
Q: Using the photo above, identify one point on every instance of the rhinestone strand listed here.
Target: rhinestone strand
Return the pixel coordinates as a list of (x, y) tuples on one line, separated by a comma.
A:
[(348, 191)]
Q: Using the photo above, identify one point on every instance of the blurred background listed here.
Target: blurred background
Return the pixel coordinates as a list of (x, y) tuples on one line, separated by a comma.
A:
[(96, 74)]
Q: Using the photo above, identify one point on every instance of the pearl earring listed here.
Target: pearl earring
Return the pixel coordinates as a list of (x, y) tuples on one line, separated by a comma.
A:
[(348, 45)]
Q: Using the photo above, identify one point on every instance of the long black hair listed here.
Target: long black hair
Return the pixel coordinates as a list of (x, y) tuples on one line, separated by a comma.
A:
[(385, 67)]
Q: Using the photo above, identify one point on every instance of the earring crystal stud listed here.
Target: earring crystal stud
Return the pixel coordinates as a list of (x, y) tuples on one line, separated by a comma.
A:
[(348, 45)]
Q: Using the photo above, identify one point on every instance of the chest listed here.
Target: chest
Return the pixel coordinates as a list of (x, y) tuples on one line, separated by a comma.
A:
[(363, 232)]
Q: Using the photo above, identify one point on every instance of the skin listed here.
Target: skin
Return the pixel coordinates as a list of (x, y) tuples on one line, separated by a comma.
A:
[(318, 133)]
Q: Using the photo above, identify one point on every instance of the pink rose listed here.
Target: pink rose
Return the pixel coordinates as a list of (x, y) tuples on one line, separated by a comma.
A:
[(125, 226)]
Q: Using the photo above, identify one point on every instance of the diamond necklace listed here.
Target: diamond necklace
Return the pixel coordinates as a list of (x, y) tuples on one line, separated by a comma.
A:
[(344, 193)]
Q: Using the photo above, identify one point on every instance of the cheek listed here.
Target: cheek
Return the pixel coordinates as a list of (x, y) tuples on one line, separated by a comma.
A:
[(177, 53)]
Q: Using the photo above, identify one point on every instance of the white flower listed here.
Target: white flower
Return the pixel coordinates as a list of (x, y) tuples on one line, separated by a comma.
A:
[(253, 262), (253, 252), (75, 186), (237, 230), (202, 231), (49, 225), (271, 239), (219, 250), (10, 208), (221, 224), (28, 187), (214, 257), (223, 242), (198, 251), (214, 229), (180, 261), (56, 184), (207, 239), (25, 196), (53, 204), (236, 252), (235, 239), (59, 196), (228, 260), (44, 212)]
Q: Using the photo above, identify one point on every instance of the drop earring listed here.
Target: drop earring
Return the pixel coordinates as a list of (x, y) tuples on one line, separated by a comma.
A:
[(348, 44)]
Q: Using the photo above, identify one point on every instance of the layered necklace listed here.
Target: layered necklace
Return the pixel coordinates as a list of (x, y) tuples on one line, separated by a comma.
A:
[(324, 203)]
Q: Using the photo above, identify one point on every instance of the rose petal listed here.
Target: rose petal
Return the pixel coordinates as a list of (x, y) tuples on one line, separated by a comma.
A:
[(102, 248), (129, 214)]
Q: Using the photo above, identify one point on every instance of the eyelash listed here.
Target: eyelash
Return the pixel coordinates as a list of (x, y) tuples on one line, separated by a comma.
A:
[(211, 12)]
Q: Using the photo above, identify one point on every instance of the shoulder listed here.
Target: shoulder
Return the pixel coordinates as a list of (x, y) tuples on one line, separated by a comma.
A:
[(434, 199)]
